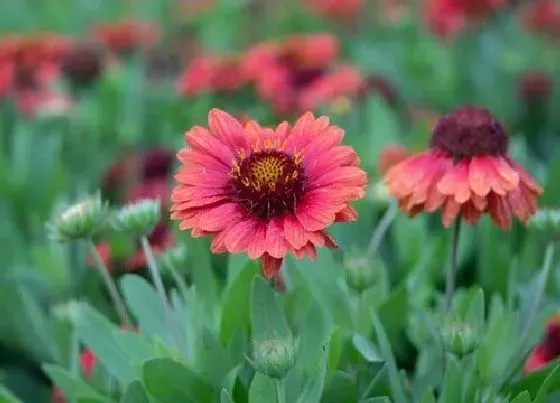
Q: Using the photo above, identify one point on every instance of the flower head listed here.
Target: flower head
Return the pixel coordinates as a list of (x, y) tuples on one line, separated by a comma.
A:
[(299, 73), (466, 172), (126, 36), (543, 16), (138, 218), (266, 191), (535, 86), (549, 347), (82, 64), (336, 9), (274, 358)]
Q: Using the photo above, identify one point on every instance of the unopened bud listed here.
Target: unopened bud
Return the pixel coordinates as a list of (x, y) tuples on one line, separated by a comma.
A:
[(378, 194), (460, 338), (362, 271), (546, 224), (138, 218), (79, 221), (274, 358), (172, 259)]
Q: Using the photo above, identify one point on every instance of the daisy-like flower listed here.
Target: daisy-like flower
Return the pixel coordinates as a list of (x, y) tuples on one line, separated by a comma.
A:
[(127, 36), (543, 16), (267, 192), (299, 73), (212, 74), (466, 172), (548, 349)]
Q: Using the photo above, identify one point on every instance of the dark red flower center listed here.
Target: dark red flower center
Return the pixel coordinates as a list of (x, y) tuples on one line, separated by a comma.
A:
[(268, 183), (469, 131), (302, 74)]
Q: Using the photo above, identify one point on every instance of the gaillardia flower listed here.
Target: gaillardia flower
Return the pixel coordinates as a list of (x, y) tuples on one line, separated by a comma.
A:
[(266, 191), (548, 349), (466, 172)]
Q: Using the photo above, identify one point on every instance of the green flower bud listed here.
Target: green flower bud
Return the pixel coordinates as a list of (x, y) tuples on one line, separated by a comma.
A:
[(173, 259), (546, 224), (362, 271), (274, 358), (79, 221), (138, 218), (378, 194), (460, 338)]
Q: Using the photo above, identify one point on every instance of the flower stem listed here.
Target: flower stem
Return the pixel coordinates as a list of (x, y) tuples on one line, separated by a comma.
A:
[(382, 227), (524, 339), (452, 272), (110, 284), (158, 284), (280, 391)]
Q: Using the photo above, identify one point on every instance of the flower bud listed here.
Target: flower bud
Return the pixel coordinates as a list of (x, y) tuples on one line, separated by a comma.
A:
[(174, 258), (274, 358), (138, 218), (378, 194), (546, 223), (460, 338), (79, 221), (362, 271)]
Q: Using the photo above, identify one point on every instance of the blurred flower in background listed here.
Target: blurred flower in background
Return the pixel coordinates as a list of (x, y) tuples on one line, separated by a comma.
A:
[(548, 349), (127, 36), (542, 16)]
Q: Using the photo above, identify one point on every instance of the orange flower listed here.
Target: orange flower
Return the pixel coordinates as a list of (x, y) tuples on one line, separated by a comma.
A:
[(212, 74), (127, 36), (267, 192), (466, 172), (548, 349), (543, 16), (391, 156), (298, 73)]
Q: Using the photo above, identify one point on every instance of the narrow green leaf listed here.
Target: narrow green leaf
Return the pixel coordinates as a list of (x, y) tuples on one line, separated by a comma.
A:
[(213, 361), (235, 311), (523, 397), (262, 389), (341, 387), (366, 348), (71, 386), (314, 387), (397, 388), (135, 345), (225, 397), (135, 393), (170, 381), (7, 397), (428, 396), (203, 277), (382, 399), (267, 318), (315, 327), (452, 382), (146, 306), (97, 333), (552, 379)]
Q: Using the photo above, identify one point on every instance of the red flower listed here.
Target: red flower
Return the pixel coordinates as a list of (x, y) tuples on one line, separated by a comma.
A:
[(212, 74), (127, 36), (548, 349), (543, 16), (336, 9), (298, 73), (267, 192), (87, 365), (467, 172), (535, 86), (391, 156), (446, 17)]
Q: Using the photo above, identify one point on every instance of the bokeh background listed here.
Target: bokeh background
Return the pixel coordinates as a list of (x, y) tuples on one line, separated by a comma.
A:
[(96, 95)]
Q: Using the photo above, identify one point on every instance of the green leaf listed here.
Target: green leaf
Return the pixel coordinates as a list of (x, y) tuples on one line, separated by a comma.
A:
[(7, 397), (340, 387), (523, 397), (552, 379), (135, 393), (213, 361), (262, 389), (366, 348), (225, 397), (382, 399), (71, 386), (203, 278), (267, 318), (235, 311), (534, 380), (314, 387), (170, 381), (396, 385), (135, 345), (146, 306), (382, 128), (452, 382), (393, 313), (428, 396), (97, 333), (315, 327)]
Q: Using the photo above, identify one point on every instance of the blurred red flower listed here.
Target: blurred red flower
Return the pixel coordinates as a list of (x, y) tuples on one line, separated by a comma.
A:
[(390, 156), (543, 16), (548, 349), (127, 35), (336, 9), (212, 74), (446, 17), (299, 73), (87, 365), (535, 86)]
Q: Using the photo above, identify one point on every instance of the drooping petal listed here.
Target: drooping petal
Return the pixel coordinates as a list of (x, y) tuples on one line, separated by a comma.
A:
[(499, 210), (270, 266)]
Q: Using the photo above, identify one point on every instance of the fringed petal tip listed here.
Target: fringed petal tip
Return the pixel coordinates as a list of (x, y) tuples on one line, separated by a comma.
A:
[(270, 266)]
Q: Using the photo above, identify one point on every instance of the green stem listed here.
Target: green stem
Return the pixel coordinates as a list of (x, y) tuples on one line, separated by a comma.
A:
[(280, 391), (524, 339), (452, 272), (158, 284), (110, 284), (382, 227)]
